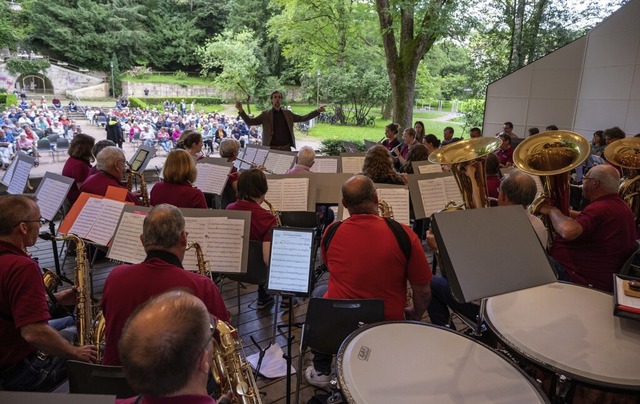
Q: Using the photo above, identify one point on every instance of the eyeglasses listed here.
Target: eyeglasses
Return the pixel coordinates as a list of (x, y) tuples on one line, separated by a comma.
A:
[(42, 222), (212, 330)]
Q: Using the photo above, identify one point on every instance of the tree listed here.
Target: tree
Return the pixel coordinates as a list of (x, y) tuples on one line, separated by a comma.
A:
[(232, 59), (86, 33), (10, 29), (418, 25)]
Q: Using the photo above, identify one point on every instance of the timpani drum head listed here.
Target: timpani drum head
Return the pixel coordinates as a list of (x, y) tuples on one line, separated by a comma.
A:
[(410, 362), (570, 330)]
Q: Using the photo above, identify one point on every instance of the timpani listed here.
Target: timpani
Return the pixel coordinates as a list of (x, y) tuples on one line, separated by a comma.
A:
[(570, 330), (411, 362)]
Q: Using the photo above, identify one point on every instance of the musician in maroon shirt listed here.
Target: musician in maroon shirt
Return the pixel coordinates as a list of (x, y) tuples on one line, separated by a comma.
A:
[(111, 166), (177, 188), (78, 165)]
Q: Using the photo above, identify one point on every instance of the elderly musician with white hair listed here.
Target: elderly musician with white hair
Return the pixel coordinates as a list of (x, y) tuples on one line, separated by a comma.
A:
[(165, 241), (112, 166), (304, 161), (592, 245)]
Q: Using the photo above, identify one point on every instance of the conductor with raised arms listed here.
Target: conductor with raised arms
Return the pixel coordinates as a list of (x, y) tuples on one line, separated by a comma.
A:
[(277, 123)]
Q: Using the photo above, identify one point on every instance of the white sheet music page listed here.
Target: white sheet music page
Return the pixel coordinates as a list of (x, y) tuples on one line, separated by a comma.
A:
[(20, 177), (284, 163), (126, 246), (106, 222), (261, 156), (197, 228), (452, 190), (430, 168), (87, 217), (202, 177), (325, 165), (6, 178), (51, 194), (295, 194), (398, 200), (223, 244), (352, 164), (249, 157), (290, 260), (212, 178), (433, 195), (271, 161), (274, 194)]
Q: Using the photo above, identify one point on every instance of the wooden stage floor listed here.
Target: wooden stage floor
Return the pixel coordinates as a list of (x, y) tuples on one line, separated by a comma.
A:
[(249, 321)]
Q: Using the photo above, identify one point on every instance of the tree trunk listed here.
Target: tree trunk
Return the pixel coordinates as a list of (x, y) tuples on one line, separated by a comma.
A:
[(516, 59), (534, 29), (403, 61)]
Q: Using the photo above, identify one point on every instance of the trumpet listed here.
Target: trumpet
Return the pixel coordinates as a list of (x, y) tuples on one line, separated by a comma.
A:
[(254, 165)]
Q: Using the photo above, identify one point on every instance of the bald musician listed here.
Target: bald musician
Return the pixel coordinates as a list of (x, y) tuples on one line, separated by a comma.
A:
[(516, 189), (166, 350), (365, 260), (112, 167), (32, 354), (165, 242), (592, 245), (304, 161)]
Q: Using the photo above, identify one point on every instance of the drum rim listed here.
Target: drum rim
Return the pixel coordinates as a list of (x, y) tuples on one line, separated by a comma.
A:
[(555, 369), (340, 357)]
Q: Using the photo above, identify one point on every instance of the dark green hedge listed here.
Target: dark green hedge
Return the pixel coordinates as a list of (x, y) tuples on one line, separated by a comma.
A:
[(8, 100), (333, 147), (187, 100)]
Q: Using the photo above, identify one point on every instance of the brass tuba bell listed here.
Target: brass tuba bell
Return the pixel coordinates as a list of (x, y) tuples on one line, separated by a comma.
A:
[(626, 154), (467, 160), (551, 156)]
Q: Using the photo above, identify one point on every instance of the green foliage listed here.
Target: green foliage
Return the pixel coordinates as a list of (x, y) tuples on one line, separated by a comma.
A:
[(232, 57), (333, 147), (473, 111), (180, 75), (8, 100), (198, 100), (135, 102), (11, 29), (27, 66), (139, 72)]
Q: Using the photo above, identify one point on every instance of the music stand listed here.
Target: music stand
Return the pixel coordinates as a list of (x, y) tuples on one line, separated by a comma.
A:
[(290, 274), (141, 158)]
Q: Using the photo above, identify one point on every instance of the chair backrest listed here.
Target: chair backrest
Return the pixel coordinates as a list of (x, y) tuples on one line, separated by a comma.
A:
[(630, 267), (62, 143), (44, 144), (88, 378), (330, 321), (257, 272)]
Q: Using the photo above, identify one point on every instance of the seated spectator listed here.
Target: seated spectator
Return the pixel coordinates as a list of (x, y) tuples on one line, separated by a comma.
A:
[(56, 103), (164, 139), (6, 150), (147, 136), (72, 106)]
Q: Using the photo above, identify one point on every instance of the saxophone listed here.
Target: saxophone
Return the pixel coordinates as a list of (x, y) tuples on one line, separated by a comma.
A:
[(143, 185), (274, 213), (231, 370), (204, 268)]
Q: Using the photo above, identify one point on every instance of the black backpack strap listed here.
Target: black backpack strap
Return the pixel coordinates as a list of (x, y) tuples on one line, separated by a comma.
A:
[(328, 235), (404, 242)]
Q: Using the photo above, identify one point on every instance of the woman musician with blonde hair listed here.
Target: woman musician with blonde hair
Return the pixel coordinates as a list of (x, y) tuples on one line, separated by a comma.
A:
[(177, 186)]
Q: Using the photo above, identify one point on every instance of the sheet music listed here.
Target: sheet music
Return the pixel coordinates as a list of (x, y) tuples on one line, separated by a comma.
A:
[(6, 178), (325, 165), (352, 164), (429, 168), (105, 225), (261, 156), (222, 245), (51, 194), (126, 246), (452, 190), (279, 163), (288, 194), (220, 239), (398, 200), (249, 157), (212, 178), (20, 177), (433, 195), (98, 220), (289, 268)]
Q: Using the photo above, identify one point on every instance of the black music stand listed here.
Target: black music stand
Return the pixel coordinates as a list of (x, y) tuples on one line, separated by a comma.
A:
[(474, 266), (290, 275)]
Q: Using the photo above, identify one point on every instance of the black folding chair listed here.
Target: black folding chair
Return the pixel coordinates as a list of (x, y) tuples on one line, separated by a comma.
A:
[(330, 321), (89, 378)]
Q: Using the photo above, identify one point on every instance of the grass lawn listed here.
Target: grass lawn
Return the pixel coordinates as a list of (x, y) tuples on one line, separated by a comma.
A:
[(359, 133), (169, 79)]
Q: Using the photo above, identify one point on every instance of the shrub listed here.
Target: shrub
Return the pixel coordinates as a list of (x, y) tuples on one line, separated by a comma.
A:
[(27, 66), (333, 147), (135, 102), (198, 100)]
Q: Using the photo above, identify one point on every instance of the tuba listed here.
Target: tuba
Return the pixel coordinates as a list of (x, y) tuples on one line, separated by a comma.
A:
[(467, 160), (625, 153), (143, 185), (231, 370), (274, 213), (551, 156)]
